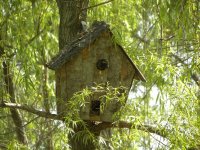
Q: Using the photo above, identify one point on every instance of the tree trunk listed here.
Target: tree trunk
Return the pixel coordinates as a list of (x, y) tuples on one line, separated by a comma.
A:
[(49, 136), (70, 26), (17, 119), (16, 116), (79, 144), (71, 15)]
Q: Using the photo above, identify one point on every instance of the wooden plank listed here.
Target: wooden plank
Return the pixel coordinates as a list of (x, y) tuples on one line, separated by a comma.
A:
[(61, 101), (58, 90), (99, 51), (104, 50), (74, 76), (127, 72), (88, 63), (114, 66)]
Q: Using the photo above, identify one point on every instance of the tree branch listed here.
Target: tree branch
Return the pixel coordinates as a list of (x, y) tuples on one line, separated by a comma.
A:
[(31, 110), (34, 37), (194, 76), (96, 127), (97, 5), (131, 125), (16, 116)]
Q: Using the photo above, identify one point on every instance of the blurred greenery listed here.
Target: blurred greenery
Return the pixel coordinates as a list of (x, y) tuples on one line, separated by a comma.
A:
[(162, 37)]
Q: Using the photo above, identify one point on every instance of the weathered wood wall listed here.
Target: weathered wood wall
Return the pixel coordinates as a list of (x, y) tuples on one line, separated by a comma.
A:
[(81, 71)]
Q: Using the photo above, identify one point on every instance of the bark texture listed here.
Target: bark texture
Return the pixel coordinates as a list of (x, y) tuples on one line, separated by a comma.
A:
[(17, 119), (49, 136), (71, 15)]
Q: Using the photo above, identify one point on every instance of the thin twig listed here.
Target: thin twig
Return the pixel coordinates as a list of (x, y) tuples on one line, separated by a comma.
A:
[(13, 130), (34, 37), (194, 76), (96, 5)]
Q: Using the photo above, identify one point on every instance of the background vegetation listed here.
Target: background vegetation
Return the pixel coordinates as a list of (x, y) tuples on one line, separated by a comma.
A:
[(161, 36)]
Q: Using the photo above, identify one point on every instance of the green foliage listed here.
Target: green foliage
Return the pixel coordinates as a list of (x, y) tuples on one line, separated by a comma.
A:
[(15, 145), (162, 39)]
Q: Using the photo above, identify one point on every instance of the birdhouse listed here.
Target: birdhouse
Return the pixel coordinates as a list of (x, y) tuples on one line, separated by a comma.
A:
[(93, 59)]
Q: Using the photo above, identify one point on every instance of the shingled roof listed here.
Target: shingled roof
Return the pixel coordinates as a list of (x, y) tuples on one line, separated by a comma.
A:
[(84, 41), (77, 45)]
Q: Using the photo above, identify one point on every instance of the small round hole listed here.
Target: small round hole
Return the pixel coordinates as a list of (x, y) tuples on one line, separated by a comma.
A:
[(102, 64)]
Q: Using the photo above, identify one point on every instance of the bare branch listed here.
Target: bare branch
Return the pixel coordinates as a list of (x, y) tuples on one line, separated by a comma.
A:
[(34, 37), (97, 127), (3, 146), (131, 125), (179, 59), (97, 5), (16, 116), (31, 110), (194, 76)]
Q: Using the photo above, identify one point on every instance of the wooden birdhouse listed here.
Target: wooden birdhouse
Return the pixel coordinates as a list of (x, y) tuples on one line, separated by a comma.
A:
[(93, 59)]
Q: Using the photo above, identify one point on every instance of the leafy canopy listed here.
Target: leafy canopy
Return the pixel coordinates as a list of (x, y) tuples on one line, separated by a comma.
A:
[(161, 37)]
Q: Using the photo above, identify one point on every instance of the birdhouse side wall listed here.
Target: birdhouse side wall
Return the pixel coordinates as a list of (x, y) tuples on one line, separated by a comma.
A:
[(81, 71), (120, 73), (68, 81)]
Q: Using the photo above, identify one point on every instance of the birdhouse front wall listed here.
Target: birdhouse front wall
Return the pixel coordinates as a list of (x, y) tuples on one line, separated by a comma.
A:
[(101, 62)]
